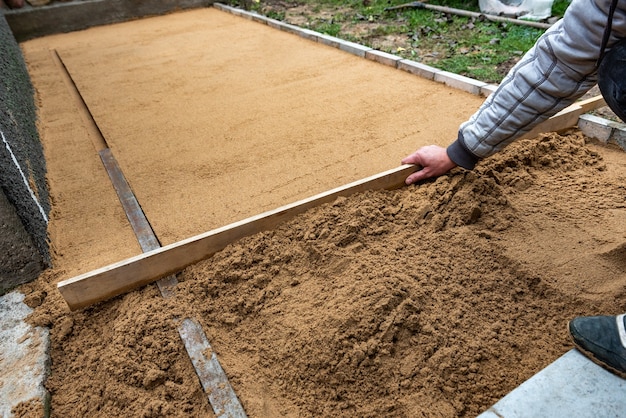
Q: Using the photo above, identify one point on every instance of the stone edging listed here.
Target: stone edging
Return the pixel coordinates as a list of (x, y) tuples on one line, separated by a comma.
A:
[(25, 362), (602, 129), (450, 79)]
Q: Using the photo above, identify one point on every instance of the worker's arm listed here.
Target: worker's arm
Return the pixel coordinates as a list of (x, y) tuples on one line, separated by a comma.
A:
[(559, 69)]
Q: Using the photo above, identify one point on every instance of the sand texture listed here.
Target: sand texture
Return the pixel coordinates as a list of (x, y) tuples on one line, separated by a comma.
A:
[(431, 300)]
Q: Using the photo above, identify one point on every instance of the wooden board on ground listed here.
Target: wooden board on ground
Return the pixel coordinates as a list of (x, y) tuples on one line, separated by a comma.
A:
[(221, 395), (118, 278)]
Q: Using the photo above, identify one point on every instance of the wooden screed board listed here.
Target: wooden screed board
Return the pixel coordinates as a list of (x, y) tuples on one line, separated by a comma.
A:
[(118, 278)]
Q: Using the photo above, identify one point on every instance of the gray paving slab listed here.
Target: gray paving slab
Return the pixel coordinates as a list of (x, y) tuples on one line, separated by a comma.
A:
[(487, 89), (354, 48), (595, 127), (24, 360), (572, 386)]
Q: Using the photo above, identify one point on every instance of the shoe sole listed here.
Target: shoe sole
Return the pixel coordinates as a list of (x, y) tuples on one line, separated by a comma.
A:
[(592, 357)]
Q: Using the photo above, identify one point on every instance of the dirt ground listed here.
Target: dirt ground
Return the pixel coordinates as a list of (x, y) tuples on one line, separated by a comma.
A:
[(431, 300)]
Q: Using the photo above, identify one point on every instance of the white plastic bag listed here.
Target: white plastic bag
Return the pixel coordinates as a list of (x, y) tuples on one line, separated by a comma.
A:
[(527, 9)]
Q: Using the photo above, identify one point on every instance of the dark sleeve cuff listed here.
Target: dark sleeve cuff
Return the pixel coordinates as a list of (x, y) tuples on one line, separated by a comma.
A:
[(460, 155)]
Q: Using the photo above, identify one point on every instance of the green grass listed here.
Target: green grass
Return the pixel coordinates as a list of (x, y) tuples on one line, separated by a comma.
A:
[(559, 7), (480, 49), (329, 28)]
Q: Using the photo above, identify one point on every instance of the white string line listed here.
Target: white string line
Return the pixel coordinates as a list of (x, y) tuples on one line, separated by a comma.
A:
[(17, 164), (621, 330)]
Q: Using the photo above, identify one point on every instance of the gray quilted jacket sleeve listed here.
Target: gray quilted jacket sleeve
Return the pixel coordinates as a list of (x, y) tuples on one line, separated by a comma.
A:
[(559, 69)]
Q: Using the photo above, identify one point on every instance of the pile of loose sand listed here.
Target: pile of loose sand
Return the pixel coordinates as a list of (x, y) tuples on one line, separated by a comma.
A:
[(434, 300)]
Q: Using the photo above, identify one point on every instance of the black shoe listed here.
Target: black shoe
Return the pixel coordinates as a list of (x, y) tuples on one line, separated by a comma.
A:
[(603, 340)]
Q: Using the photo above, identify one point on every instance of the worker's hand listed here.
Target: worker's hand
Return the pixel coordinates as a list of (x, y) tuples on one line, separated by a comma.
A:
[(434, 161)]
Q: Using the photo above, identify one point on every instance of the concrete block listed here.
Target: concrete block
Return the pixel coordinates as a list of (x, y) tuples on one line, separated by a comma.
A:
[(595, 127), (572, 386), (293, 29), (224, 7), (382, 57), (487, 89), (306, 33), (24, 363), (277, 24), (460, 82), (232, 10), (328, 40), (417, 68), (255, 17), (273, 23), (619, 137), (604, 130), (354, 48)]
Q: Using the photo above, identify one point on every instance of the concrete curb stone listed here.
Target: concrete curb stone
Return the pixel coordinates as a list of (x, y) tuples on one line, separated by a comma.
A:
[(25, 362), (460, 82), (418, 69), (383, 57), (604, 130)]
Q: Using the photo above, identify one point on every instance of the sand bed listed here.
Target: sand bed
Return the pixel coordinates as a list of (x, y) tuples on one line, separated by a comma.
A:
[(433, 300), (214, 118)]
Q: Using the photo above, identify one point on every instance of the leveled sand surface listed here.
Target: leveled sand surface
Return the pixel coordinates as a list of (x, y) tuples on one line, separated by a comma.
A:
[(432, 300)]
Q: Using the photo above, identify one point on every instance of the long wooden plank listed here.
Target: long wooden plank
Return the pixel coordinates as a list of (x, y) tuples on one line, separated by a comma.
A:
[(134, 272), (148, 241), (214, 381), (213, 378), (138, 221)]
